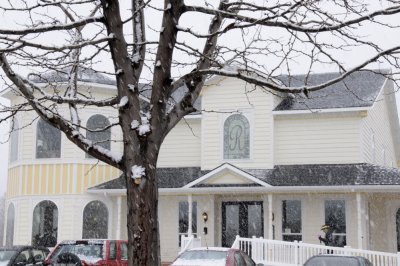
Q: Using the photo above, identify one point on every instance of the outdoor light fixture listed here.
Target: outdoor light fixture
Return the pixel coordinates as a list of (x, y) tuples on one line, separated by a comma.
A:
[(205, 216)]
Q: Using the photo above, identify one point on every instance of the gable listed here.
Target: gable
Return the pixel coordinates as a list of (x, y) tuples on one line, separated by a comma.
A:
[(227, 175), (227, 178)]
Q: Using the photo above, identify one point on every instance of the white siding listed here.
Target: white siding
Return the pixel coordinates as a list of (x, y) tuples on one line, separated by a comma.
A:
[(218, 100), (377, 123), (182, 146), (317, 139)]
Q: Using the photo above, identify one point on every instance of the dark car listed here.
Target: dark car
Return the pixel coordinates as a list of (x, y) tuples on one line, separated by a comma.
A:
[(22, 255), (333, 260), (214, 256), (89, 252)]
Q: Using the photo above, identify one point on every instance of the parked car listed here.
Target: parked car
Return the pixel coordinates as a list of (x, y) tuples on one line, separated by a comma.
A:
[(22, 255), (213, 256), (90, 252), (334, 260)]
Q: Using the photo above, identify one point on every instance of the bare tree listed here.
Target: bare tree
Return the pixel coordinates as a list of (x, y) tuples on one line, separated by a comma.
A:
[(255, 41)]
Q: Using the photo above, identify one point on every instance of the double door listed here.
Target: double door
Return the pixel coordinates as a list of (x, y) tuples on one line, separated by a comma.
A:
[(241, 218)]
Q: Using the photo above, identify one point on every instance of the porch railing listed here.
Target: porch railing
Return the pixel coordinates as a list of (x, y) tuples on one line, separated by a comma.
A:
[(275, 252), (188, 242)]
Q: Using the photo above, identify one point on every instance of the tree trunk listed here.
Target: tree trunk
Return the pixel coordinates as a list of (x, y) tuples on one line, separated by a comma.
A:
[(142, 222)]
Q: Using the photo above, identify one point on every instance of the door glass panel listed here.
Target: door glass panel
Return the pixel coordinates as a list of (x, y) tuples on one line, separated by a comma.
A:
[(232, 224), (254, 221)]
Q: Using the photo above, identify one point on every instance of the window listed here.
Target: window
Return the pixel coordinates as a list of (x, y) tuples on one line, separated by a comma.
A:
[(291, 220), (98, 131), (44, 226), (113, 250), (10, 225), (335, 216), (184, 218), (14, 141), (48, 140), (124, 251), (95, 221), (236, 137)]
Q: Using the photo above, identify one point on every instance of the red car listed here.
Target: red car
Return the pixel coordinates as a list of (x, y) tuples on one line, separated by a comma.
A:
[(214, 256), (90, 252)]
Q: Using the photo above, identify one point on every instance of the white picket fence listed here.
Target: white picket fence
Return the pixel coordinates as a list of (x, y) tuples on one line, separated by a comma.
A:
[(275, 252)]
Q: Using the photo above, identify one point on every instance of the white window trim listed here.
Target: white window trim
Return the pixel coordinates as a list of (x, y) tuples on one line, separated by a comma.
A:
[(225, 113)]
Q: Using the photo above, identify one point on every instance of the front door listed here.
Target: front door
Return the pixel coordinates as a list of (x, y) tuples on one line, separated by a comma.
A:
[(241, 218)]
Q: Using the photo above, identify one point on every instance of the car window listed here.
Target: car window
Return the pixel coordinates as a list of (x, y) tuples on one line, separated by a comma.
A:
[(113, 250), (239, 259), (332, 261), (6, 255), (23, 258), (38, 255), (248, 260), (90, 251), (124, 251)]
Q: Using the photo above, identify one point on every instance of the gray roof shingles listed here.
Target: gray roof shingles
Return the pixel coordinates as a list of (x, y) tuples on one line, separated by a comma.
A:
[(359, 89), (283, 175)]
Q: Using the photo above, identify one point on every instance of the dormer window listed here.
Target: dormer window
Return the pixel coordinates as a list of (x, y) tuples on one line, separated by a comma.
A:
[(236, 137), (48, 140)]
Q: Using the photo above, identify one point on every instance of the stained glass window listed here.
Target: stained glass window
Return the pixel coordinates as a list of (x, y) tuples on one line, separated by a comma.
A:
[(236, 137)]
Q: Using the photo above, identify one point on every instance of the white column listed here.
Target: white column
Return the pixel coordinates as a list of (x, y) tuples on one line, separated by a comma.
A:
[(190, 203), (119, 214), (270, 217), (360, 225)]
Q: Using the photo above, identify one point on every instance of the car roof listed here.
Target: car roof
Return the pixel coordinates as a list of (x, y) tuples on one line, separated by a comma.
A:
[(211, 248), (21, 247)]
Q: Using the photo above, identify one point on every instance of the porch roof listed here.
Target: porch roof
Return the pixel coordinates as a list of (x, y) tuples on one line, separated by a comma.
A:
[(281, 176)]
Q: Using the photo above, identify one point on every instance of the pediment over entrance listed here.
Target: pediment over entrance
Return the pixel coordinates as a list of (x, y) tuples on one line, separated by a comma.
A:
[(227, 175)]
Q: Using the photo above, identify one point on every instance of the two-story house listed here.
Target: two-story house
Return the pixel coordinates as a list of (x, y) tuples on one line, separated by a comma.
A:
[(252, 163)]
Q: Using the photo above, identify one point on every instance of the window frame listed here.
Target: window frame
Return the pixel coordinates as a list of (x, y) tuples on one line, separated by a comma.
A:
[(335, 234), (36, 140), (194, 220), (295, 234), (87, 155), (55, 222), (107, 219), (249, 115)]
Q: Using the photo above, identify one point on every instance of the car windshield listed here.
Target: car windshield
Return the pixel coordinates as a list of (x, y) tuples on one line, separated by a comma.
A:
[(5, 256), (333, 261), (87, 251), (202, 257)]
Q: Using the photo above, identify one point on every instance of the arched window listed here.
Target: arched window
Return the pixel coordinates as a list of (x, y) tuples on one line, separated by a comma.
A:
[(95, 220), (398, 229), (98, 131), (14, 140), (48, 141), (44, 226), (236, 137), (10, 225)]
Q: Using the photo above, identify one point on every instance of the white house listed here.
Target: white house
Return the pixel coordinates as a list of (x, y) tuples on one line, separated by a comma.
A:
[(252, 163)]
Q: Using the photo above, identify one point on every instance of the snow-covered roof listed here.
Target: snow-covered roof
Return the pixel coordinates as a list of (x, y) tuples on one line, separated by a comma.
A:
[(359, 89), (63, 75), (280, 175)]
